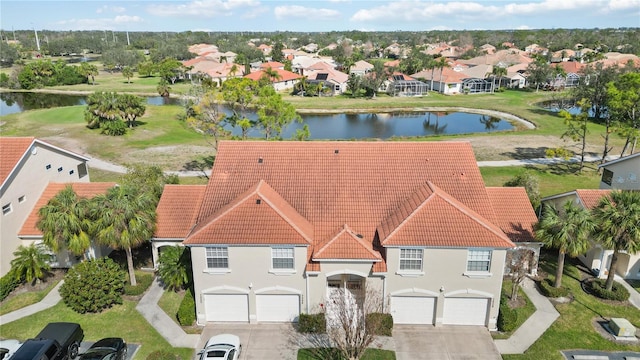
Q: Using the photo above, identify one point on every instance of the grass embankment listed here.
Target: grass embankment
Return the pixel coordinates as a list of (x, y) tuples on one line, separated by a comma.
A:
[(576, 326), (25, 299), (119, 321)]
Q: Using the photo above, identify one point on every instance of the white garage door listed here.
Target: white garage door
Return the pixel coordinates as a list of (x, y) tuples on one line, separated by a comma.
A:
[(278, 308), (226, 307), (412, 309), (465, 311)]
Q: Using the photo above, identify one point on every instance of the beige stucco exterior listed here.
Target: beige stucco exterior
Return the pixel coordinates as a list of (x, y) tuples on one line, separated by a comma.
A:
[(444, 276), (24, 186), (624, 173)]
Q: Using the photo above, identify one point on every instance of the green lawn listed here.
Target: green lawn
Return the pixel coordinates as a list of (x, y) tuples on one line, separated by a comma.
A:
[(553, 179), (170, 302), (120, 321), (523, 312), (370, 354), (25, 299), (574, 328)]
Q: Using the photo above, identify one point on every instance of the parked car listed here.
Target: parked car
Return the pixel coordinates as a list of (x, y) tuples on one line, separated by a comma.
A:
[(106, 349), (225, 347), (57, 341), (8, 347)]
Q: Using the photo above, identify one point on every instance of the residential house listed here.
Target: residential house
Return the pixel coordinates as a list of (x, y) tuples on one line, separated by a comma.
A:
[(29, 232), (622, 173), (361, 68), (27, 166), (284, 80), (399, 84), (280, 225), (446, 81), (598, 258), (322, 72)]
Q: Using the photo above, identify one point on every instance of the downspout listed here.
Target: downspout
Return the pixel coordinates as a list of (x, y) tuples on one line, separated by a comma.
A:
[(384, 292), (307, 291)]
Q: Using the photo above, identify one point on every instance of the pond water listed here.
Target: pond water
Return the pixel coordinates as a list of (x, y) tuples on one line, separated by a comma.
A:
[(340, 126)]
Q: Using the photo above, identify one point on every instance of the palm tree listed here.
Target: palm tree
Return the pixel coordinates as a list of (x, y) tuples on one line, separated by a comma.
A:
[(64, 223), (567, 229), (31, 262), (175, 267), (128, 73), (617, 218), (123, 219), (441, 63)]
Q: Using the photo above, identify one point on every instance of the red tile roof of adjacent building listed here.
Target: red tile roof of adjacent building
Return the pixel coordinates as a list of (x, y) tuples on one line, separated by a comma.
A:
[(283, 75), (591, 197), (83, 190), (12, 149), (272, 65), (514, 217), (310, 190), (177, 210)]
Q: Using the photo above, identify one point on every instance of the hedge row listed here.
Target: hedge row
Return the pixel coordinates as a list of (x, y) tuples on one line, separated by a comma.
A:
[(144, 281), (507, 317), (618, 292), (383, 323), (187, 311), (312, 323), (548, 290), (8, 283)]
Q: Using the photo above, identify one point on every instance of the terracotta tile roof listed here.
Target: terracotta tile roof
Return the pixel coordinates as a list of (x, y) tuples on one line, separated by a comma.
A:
[(11, 151), (449, 223), (284, 75), (86, 190), (177, 210), (515, 216), (591, 197), (258, 216), (347, 245), (272, 65)]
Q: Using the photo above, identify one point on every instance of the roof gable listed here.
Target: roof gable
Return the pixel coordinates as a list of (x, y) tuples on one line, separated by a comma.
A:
[(259, 216), (591, 197), (347, 245), (515, 215), (622, 159), (433, 218), (177, 210), (82, 190)]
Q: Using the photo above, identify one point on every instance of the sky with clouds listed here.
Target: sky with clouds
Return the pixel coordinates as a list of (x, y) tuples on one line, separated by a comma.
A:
[(313, 16)]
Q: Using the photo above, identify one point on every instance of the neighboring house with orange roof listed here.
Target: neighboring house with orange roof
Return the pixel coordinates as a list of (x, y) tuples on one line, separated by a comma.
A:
[(285, 80), (27, 166), (361, 68), (598, 259), (446, 81), (322, 72), (215, 70), (280, 225), (29, 233), (622, 173)]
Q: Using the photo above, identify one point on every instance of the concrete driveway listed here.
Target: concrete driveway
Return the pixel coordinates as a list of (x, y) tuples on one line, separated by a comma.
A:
[(444, 343), (259, 341)]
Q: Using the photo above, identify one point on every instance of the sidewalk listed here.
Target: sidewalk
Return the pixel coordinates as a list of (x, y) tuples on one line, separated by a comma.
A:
[(634, 299), (172, 332), (52, 298), (534, 327)]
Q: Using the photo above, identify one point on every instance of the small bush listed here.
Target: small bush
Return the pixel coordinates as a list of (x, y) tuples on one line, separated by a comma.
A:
[(618, 292), (382, 323), (507, 317), (312, 323), (8, 283), (548, 290), (162, 355), (144, 281), (93, 285), (187, 310)]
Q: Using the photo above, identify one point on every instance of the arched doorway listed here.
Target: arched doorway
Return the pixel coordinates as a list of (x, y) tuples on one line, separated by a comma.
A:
[(345, 292)]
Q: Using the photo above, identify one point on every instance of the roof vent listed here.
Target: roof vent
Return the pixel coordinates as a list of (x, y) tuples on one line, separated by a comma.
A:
[(336, 151), (258, 201), (359, 235), (260, 160)]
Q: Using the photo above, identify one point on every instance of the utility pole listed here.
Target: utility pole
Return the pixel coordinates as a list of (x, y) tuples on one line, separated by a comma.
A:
[(128, 42), (37, 40)]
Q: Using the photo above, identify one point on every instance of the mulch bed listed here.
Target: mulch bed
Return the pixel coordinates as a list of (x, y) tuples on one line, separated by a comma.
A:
[(55, 276)]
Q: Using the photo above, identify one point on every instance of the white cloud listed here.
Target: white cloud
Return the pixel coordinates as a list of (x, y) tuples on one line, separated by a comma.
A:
[(622, 5), (255, 13), (201, 8), (417, 11), (296, 12), (114, 23), (107, 9)]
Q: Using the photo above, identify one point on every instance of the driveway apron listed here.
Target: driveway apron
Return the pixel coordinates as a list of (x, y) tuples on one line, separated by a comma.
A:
[(259, 341), (444, 343)]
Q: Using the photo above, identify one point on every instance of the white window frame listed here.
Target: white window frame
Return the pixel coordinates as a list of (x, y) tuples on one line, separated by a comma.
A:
[(7, 209), (408, 258), (475, 259), (215, 254), (283, 254)]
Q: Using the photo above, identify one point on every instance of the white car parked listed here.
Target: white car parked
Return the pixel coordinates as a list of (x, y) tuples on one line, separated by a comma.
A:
[(221, 347), (8, 347)]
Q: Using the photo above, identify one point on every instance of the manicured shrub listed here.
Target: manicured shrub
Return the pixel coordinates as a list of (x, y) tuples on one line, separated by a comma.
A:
[(93, 285), (382, 324), (618, 292), (548, 290), (144, 281), (9, 282), (162, 355), (187, 310), (507, 317), (312, 323)]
